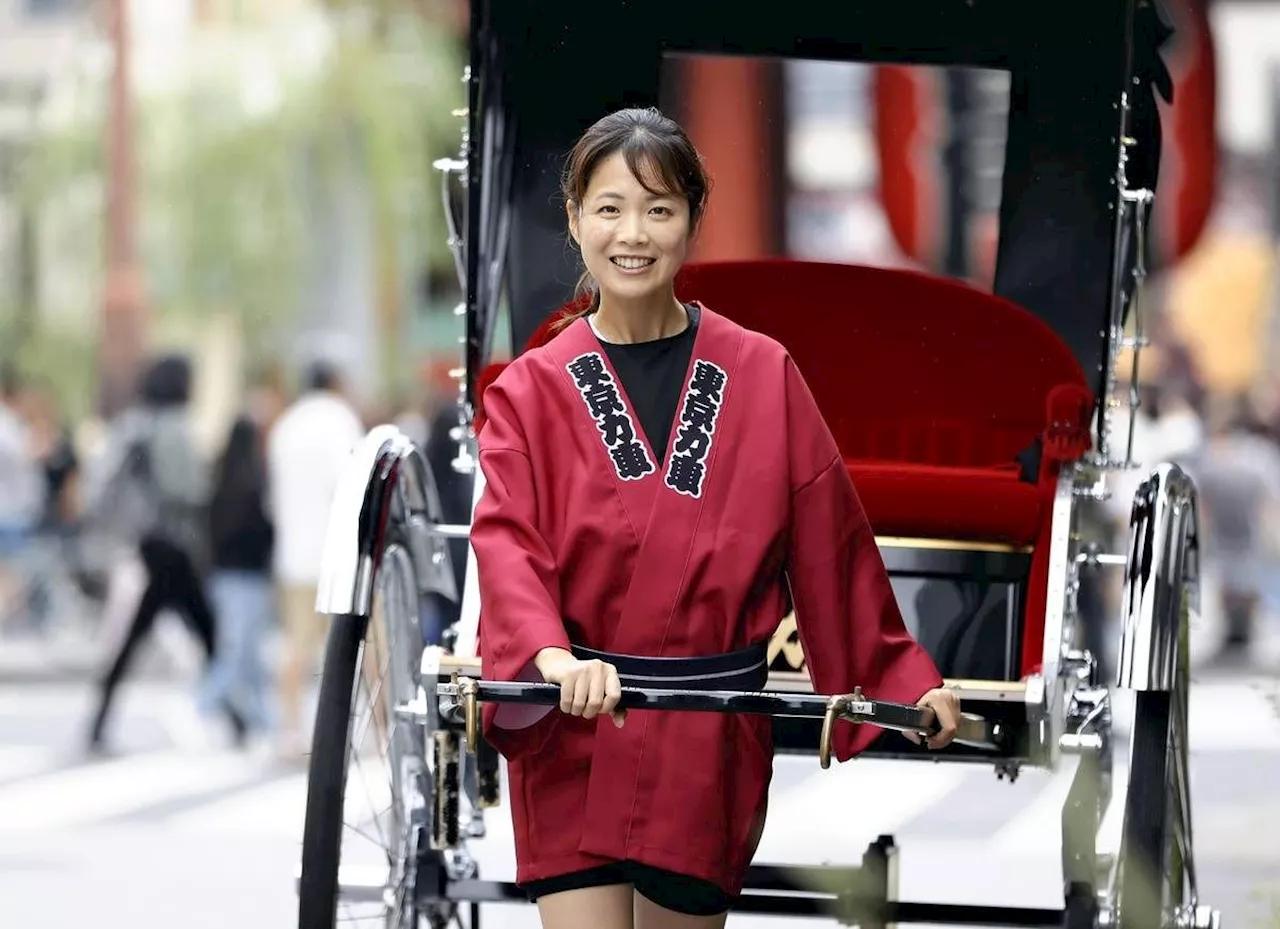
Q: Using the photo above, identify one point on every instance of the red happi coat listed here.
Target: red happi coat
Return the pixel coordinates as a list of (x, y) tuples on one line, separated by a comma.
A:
[(581, 537)]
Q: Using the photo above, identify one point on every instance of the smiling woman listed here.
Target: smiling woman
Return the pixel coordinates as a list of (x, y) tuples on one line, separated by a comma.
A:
[(635, 190), (660, 489)]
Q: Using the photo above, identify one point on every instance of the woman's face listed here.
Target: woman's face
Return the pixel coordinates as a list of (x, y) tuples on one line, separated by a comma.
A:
[(633, 242)]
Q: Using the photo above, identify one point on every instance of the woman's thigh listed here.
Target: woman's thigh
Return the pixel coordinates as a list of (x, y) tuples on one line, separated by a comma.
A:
[(603, 907)]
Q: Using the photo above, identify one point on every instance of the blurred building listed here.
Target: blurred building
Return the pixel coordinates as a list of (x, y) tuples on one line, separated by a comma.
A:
[(203, 61), (39, 41)]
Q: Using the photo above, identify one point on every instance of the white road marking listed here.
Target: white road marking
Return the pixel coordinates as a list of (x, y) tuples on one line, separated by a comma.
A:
[(274, 809), (18, 761), (100, 791)]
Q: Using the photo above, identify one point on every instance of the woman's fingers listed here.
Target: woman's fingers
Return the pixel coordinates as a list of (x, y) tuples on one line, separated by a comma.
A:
[(581, 693), (590, 689), (612, 694), (946, 710), (596, 678), (948, 722)]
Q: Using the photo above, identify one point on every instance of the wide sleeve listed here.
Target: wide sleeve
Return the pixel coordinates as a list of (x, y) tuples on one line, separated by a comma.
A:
[(850, 626), (520, 610)]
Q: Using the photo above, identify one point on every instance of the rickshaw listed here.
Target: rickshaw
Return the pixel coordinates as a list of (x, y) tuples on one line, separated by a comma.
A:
[(996, 432)]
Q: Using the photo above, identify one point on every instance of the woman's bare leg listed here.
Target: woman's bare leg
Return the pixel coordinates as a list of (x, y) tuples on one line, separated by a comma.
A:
[(607, 907), (651, 916)]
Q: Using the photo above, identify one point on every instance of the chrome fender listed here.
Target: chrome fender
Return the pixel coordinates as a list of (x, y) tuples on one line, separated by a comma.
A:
[(1163, 562), (387, 483)]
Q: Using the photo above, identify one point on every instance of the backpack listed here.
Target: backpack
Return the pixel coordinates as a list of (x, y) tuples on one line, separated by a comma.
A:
[(122, 502)]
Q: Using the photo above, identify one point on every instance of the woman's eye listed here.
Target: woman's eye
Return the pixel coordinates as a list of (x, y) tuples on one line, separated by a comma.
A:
[(662, 210), (608, 209)]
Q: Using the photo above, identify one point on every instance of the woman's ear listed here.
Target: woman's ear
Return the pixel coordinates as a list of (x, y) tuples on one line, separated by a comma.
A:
[(571, 211)]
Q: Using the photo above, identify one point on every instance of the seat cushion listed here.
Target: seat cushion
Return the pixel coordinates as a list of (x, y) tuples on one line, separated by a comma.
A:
[(905, 366), (929, 501)]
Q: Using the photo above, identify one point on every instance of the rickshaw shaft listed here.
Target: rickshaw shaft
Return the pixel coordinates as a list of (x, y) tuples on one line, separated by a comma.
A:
[(885, 714)]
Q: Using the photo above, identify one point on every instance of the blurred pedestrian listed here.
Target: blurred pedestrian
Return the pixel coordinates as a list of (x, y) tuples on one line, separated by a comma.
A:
[(308, 450), (1238, 478), (156, 492), (55, 454), (21, 492), (241, 541)]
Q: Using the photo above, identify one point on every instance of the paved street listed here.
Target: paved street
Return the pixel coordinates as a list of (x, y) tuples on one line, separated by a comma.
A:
[(175, 832)]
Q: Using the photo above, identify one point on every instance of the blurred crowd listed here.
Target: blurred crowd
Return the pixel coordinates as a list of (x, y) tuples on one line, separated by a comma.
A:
[(1229, 443), (107, 545)]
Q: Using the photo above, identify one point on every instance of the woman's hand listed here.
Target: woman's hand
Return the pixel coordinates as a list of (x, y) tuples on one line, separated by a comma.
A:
[(946, 707), (587, 688)]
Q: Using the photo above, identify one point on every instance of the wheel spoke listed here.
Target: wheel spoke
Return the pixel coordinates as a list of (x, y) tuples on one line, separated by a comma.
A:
[(1182, 825), (356, 759)]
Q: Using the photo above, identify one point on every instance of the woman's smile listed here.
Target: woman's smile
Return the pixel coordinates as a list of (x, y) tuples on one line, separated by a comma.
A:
[(630, 264)]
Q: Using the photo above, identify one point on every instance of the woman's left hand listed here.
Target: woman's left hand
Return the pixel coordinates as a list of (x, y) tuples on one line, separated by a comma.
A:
[(946, 707)]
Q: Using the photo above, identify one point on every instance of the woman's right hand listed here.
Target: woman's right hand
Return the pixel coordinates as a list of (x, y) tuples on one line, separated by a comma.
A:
[(587, 688)]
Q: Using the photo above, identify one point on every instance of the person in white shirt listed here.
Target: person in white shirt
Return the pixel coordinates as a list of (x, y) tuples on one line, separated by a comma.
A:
[(21, 482), (308, 450), (22, 493)]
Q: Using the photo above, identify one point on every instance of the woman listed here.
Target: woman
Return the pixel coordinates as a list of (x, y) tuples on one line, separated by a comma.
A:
[(660, 485), (241, 537)]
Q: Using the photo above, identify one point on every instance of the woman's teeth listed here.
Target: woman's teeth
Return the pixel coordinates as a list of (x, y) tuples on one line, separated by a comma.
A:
[(632, 264)]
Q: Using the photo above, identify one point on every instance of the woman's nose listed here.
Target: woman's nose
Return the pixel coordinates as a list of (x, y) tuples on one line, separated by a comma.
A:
[(633, 229)]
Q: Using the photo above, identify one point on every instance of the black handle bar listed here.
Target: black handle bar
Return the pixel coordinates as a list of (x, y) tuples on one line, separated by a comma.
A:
[(973, 730)]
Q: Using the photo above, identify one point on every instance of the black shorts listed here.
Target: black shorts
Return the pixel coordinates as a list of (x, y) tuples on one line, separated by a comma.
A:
[(679, 892)]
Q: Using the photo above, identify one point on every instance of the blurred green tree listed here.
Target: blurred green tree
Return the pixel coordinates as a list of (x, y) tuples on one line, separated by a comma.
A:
[(229, 158), (227, 189)]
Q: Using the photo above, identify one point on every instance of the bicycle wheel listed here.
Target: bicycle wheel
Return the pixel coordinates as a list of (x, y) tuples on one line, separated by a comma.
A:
[(362, 835)]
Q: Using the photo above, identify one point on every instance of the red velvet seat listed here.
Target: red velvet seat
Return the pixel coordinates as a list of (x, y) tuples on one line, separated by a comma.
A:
[(949, 503), (932, 388)]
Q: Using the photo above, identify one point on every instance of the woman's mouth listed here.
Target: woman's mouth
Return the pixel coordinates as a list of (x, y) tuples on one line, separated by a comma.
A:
[(631, 264)]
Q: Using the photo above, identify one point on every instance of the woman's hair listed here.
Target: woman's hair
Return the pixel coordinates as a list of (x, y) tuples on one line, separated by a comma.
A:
[(238, 481), (656, 150), (166, 383)]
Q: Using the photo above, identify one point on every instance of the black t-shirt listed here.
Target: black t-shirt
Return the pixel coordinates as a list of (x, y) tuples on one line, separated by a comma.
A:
[(653, 374)]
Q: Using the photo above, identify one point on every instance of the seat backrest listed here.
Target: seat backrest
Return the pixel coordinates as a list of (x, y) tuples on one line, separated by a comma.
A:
[(904, 366)]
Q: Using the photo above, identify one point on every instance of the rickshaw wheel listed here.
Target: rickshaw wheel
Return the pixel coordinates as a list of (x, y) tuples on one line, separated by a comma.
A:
[(1151, 881), (355, 718)]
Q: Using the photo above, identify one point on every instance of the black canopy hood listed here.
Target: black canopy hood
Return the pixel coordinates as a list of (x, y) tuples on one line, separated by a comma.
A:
[(541, 72)]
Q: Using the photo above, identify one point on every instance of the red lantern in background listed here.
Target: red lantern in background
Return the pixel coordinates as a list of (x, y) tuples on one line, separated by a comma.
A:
[(1189, 157), (910, 134)]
